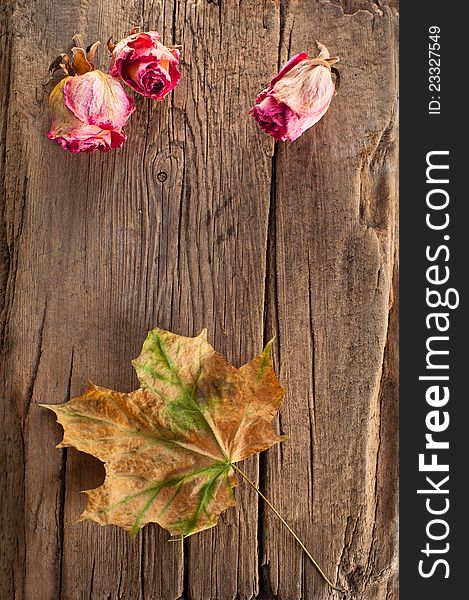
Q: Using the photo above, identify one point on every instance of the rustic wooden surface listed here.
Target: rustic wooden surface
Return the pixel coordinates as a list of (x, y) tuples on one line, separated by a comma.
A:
[(244, 237)]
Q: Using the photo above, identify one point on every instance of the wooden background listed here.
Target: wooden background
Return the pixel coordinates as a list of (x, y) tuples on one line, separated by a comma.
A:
[(201, 221)]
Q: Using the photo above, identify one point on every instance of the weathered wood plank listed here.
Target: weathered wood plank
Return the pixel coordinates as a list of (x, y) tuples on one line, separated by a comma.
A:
[(11, 451), (196, 222), (223, 234), (333, 245)]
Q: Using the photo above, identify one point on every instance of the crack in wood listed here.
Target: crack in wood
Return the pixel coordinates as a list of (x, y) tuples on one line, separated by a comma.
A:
[(35, 366)]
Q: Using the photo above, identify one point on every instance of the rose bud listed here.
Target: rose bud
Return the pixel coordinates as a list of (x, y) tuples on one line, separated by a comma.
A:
[(145, 64), (297, 97), (89, 108)]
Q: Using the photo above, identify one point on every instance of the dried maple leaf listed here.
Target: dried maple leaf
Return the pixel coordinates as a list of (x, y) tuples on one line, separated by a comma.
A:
[(170, 446)]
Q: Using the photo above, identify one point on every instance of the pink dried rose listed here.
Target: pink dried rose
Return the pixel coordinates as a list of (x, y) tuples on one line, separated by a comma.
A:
[(298, 96), (89, 108), (145, 64)]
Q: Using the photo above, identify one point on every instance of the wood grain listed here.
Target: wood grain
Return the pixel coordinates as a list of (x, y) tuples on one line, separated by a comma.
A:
[(200, 220)]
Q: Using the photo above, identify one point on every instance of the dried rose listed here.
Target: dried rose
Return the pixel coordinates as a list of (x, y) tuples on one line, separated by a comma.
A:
[(89, 108), (145, 64), (297, 97)]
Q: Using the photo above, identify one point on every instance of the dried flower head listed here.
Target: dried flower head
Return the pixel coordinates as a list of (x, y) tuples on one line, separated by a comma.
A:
[(89, 108), (298, 96), (145, 64)]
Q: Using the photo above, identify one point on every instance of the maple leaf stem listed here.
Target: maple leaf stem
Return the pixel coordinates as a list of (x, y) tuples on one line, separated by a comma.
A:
[(272, 507)]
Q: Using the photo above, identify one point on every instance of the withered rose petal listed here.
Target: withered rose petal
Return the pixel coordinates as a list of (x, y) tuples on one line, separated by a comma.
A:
[(288, 66), (271, 117), (98, 99), (88, 138)]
